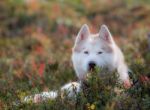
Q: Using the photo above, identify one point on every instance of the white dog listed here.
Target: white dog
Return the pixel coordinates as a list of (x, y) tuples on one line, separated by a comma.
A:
[(91, 50)]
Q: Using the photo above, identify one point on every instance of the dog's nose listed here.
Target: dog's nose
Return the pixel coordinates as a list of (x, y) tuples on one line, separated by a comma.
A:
[(92, 65)]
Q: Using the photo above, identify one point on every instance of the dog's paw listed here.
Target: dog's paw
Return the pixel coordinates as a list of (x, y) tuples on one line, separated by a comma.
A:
[(37, 98), (127, 84)]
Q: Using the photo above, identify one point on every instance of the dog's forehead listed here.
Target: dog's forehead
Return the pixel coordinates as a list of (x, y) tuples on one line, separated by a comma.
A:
[(94, 39), (93, 43)]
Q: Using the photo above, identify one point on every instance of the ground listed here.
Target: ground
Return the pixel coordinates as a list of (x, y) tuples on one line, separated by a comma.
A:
[(36, 38)]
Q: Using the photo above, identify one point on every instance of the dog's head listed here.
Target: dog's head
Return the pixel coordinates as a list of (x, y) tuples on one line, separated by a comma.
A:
[(91, 50)]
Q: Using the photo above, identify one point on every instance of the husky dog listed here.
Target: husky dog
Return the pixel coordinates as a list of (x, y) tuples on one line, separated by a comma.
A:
[(90, 51), (100, 50)]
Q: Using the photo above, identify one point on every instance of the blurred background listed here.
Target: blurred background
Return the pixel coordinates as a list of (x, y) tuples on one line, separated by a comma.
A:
[(36, 37)]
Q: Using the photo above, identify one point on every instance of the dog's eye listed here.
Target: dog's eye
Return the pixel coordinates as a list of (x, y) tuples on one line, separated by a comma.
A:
[(99, 52), (86, 52)]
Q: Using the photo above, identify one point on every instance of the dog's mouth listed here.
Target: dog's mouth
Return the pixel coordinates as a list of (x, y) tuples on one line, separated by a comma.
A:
[(92, 69)]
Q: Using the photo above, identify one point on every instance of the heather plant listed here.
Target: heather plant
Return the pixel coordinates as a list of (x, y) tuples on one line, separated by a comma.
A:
[(36, 37)]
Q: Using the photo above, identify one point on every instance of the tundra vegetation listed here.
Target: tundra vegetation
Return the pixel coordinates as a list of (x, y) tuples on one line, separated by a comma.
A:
[(36, 37)]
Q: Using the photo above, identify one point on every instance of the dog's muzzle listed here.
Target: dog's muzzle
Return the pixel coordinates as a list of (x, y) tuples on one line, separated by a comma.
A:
[(91, 66)]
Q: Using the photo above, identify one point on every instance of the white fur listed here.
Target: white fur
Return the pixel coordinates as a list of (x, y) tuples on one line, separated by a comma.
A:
[(71, 89), (93, 44), (111, 58)]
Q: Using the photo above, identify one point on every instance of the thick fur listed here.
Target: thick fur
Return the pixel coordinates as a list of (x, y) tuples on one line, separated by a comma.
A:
[(71, 89), (98, 48)]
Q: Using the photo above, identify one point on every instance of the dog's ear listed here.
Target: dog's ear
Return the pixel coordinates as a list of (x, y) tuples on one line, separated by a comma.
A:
[(81, 37), (105, 34), (83, 33)]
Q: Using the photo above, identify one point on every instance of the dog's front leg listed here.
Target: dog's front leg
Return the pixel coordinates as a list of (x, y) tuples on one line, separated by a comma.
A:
[(123, 75), (70, 90)]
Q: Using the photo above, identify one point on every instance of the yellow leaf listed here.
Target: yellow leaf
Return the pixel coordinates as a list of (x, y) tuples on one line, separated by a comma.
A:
[(92, 107)]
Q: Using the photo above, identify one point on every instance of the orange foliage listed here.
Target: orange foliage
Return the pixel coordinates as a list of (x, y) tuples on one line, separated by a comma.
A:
[(55, 11), (33, 5)]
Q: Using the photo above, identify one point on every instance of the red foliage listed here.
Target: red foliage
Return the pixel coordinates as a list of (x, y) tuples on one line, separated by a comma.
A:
[(41, 69), (39, 49), (38, 67), (144, 78)]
